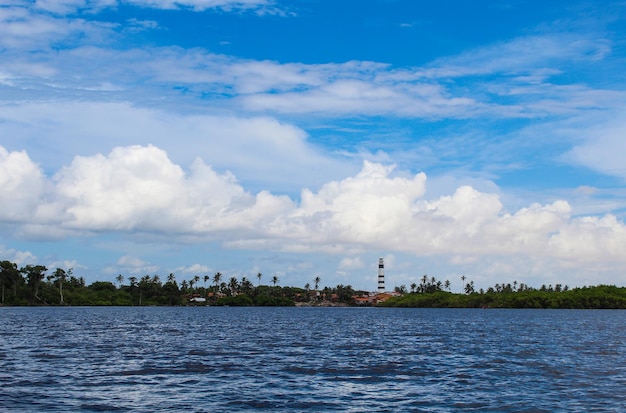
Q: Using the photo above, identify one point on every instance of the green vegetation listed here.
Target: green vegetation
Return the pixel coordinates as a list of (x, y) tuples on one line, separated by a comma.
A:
[(35, 285), (32, 285), (431, 294)]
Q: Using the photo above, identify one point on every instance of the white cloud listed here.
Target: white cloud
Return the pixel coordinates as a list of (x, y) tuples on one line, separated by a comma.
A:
[(20, 258), (23, 186), (199, 5), (257, 149), (533, 54), (66, 265), (196, 269), (128, 264), (25, 29), (351, 263), (138, 190)]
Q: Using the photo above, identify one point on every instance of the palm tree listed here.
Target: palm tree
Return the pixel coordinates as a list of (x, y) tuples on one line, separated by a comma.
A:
[(171, 278), (259, 275), (217, 277), (206, 278), (246, 285), (275, 280), (463, 282), (317, 282), (120, 280), (233, 285)]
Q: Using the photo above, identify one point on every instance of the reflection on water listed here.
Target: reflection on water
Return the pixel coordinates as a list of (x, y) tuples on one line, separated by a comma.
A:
[(208, 359)]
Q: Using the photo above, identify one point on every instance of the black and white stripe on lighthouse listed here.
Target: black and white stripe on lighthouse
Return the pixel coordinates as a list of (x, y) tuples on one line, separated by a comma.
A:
[(381, 276)]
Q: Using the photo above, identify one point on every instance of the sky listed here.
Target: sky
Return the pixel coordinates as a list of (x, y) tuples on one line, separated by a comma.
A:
[(308, 138)]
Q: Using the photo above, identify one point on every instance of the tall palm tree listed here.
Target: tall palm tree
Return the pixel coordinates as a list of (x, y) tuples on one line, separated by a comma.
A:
[(275, 280), (317, 282), (463, 282), (217, 277), (246, 285), (120, 280), (233, 285), (171, 278), (259, 275)]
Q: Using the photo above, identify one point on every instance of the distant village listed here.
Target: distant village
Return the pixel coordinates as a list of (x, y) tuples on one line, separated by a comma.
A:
[(318, 298)]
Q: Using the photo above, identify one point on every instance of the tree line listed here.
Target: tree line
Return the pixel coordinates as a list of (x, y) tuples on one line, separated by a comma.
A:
[(36, 285), (436, 294)]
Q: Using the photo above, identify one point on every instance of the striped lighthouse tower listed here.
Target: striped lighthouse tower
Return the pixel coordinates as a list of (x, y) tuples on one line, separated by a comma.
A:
[(381, 276)]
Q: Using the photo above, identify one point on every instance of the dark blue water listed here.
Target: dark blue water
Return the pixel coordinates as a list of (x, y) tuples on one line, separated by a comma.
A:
[(209, 359)]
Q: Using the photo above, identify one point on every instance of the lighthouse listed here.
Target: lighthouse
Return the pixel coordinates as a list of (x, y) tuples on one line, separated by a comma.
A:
[(381, 276)]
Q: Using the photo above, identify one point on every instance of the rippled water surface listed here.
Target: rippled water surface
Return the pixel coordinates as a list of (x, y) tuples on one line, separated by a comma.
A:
[(225, 359)]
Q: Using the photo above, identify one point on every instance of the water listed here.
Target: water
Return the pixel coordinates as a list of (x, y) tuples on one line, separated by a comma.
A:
[(210, 359)]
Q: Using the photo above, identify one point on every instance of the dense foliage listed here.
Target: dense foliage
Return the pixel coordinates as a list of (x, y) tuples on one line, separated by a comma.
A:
[(598, 297), (35, 285)]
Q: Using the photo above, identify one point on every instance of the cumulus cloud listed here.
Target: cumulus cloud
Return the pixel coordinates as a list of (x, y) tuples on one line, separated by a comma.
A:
[(130, 264), (138, 189), (18, 257), (23, 186)]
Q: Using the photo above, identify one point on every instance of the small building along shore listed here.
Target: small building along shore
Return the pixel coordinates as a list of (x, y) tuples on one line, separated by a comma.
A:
[(380, 296)]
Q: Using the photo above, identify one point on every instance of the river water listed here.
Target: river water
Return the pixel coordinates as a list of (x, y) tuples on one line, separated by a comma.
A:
[(227, 359)]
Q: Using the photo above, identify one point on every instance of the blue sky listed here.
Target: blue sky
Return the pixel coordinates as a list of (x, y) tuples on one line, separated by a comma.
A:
[(309, 138)]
